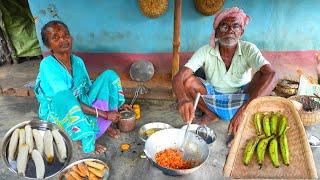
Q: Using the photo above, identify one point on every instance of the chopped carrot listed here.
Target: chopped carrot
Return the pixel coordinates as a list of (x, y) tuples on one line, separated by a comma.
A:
[(173, 158)]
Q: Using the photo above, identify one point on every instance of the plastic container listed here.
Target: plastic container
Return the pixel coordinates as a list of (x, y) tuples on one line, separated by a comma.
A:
[(137, 111)]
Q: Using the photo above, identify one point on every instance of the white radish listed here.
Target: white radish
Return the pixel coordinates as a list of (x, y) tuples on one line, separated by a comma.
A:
[(38, 138), (22, 137), (48, 146), (39, 163), (62, 149), (13, 144), (22, 159), (29, 137)]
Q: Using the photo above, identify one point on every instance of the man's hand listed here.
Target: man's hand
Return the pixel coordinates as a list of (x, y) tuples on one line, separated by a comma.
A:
[(236, 120), (186, 110)]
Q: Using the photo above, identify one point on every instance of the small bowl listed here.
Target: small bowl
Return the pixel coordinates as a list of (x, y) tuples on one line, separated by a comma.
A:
[(314, 142), (148, 129), (208, 135), (106, 173), (51, 169)]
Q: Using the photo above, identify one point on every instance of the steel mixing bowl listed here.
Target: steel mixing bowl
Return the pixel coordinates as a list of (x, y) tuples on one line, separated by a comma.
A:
[(195, 149), (50, 169)]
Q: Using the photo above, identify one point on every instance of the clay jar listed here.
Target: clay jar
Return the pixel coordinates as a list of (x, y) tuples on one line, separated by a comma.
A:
[(127, 121)]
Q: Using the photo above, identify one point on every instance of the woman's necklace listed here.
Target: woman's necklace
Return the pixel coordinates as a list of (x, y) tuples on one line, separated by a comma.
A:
[(63, 64)]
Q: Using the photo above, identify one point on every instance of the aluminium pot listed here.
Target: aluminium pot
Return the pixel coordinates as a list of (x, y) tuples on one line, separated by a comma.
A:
[(195, 149)]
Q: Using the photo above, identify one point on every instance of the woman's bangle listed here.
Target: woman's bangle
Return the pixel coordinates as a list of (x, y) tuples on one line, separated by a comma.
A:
[(97, 113)]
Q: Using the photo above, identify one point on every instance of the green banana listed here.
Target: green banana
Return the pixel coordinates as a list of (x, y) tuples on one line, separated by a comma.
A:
[(261, 149), (267, 113), (249, 150), (284, 147), (282, 125), (266, 125), (257, 122), (273, 152), (274, 123)]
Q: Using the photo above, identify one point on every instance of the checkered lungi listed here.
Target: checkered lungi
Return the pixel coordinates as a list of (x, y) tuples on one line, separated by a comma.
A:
[(223, 105)]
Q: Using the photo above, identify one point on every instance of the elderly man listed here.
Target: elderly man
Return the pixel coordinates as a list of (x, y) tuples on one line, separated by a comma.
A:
[(227, 62)]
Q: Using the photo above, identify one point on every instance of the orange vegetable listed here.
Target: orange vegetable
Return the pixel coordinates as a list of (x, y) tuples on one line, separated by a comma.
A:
[(173, 158), (125, 147)]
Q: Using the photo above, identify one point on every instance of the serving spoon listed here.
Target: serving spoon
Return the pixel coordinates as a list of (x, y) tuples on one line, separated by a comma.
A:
[(190, 121)]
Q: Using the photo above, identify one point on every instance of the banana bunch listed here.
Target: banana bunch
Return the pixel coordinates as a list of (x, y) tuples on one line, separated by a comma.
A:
[(271, 129)]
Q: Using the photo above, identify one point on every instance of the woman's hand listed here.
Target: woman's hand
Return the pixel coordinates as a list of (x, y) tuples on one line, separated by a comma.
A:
[(111, 115), (125, 107)]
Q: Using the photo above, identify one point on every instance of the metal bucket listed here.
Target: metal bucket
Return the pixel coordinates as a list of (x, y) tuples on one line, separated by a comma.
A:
[(127, 121), (197, 149)]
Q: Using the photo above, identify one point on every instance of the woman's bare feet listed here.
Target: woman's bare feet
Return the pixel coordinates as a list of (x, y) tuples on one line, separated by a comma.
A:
[(114, 133), (99, 148)]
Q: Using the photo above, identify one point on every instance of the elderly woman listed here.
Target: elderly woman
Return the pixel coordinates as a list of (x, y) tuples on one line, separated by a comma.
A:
[(227, 62), (68, 98)]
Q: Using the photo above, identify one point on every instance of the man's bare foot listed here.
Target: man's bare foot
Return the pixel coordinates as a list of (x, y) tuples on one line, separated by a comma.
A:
[(206, 120), (98, 150), (115, 133), (230, 140)]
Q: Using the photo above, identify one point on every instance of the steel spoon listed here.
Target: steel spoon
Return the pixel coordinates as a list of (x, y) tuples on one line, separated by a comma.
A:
[(194, 109)]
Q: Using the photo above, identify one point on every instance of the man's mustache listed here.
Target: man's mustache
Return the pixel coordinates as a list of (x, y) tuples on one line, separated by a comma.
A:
[(229, 36)]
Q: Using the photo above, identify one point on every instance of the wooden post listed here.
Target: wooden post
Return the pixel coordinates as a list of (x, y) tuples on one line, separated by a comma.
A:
[(176, 37)]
